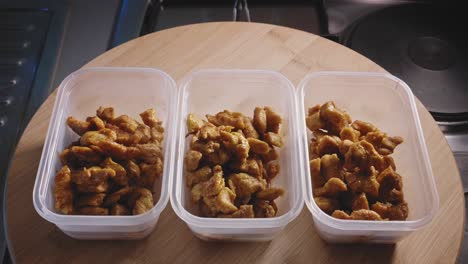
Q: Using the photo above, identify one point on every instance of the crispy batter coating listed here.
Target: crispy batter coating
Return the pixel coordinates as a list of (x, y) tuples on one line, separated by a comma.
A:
[(132, 168), (120, 176), (274, 120), (264, 209), (94, 137), (360, 202), (273, 139), (363, 182), (117, 196), (244, 211), (219, 157), (92, 199), (270, 194), (392, 212), (214, 184), (225, 201), (228, 118), (92, 176), (244, 185), (192, 160), (391, 185), (126, 123), (316, 176), (85, 154), (79, 127), (236, 143), (334, 118), (92, 188), (105, 113), (332, 188), (383, 143), (249, 129), (272, 170), (93, 210), (328, 205), (260, 120), (362, 214), (200, 175), (363, 127), (204, 147), (194, 123), (149, 118), (149, 173), (118, 209), (272, 154), (63, 192), (331, 167), (328, 145), (313, 121), (258, 146), (144, 203), (349, 133)]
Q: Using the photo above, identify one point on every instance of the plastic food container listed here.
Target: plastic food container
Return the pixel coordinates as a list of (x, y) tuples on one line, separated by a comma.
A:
[(388, 103), (211, 91), (130, 91)]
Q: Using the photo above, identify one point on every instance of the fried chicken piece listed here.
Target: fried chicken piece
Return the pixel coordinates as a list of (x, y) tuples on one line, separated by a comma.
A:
[(392, 212), (328, 145), (85, 154), (192, 160), (149, 173), (93, 210), (132, 168), (328, 205), (330, 167), (194, 123), (214, 184), (126, 123), (149, 153), (118, 209), (120, 176), (274, 120), (157, 134), (363, 127), (360, 202), (264, 209), (366, 182), (236, 143), (335, 118), (208, 132), (197, 192), (200, 175), (332, 188), (227, 118), (225, 201), (273, 139), (244, 185), (92, 199), (363, 155), (362, 214), (272, 154), (117, 196), (260, 120), (149, 118), (219, 157), (272, 170), (92, 176), (258, 146), (249, 166), (204, 147), (210, 204), (105, 113), (116, 150), (79, 127), (92, 188), (391, 186), (96, 137), (144, 203), (349, 133), (313, 121), (249, 129), (270, 194), (96, 123), (313, 153), (315, 175), (244, 211), (383, 143), (63, 192), (205, 210), (344, 146)]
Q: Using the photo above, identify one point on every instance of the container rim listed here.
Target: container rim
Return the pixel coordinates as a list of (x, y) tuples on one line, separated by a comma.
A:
[(50, 145), (233, 223), (363, 225)]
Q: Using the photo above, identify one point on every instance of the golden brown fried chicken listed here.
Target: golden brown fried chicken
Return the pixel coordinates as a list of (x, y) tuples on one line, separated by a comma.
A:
[(105, 113), (258, 146), (149, 173), (192, 160), (273, 139), (118, 209), (92, 199), (264, 208), (117, 196), (79, 127), (349, 133), (332, 188), (330, 167), (96, 137), (214, 184), (225, 201), (360, 202), (63, 192), (219, 157), (244, 185), (149, 118), (392, 212), (85, 154), (204, 147), (92, 188), (236, 143), (362, 214), (391, 185), (200, 175), (383, 143), (244, 211), (96, 123), (144, 203), (270, 194), (363, 127), (328, 205), (313, 121), (328, 145), (126, 123), (334, 118), (365, 182), (249, 129), (120, 176), (272, 170), (274, 120), (92, 176), (132, 168), (260, 120), (315, 174), (194, 123)]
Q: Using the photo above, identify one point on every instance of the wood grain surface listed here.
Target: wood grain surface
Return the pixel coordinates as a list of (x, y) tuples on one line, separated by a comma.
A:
[(229, 45)]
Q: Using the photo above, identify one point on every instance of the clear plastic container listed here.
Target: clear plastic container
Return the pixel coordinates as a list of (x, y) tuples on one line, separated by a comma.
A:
[(130, 91), (211, 91), (388, 103)]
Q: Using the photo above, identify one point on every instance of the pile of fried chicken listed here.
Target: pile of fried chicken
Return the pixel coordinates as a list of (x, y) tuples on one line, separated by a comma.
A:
[(112, 167), (231, 162), (353, 174)]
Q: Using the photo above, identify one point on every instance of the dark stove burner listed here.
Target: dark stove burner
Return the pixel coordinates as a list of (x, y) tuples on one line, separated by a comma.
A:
[(425, 46), (431, 53)]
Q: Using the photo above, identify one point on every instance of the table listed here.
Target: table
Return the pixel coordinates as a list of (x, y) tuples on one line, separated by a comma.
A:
[(228, 45)]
